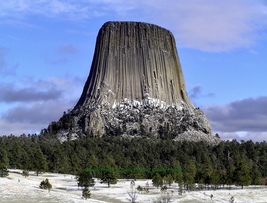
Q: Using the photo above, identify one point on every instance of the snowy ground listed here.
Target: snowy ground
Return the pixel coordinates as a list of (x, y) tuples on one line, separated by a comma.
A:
[(16, 189)]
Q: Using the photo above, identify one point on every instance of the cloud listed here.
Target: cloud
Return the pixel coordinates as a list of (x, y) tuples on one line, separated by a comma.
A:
[(83, 9), (215, 25), (207, 25), (18, 128), (67, 49), (255, 136), (196, 92), (31, 118), (61, 58), (38, 113), (10, 94), (31, 90), (36, 103), (247, 115), (5, 68)]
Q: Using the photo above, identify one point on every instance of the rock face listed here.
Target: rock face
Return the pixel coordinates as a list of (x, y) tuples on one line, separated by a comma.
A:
[(135, 87)]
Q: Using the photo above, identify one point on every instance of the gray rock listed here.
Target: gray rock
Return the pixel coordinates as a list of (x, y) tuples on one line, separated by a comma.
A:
[(135, 88)]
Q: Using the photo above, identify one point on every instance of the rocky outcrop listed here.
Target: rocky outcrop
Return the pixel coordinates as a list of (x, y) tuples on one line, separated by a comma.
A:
[(135, 87)]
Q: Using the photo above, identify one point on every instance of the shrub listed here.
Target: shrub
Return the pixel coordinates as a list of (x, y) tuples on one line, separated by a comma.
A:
[(86, 193), (132, 196), (139, 188), (45, 184), (164, 188), (164, 198), (25, 173), (3, 172)]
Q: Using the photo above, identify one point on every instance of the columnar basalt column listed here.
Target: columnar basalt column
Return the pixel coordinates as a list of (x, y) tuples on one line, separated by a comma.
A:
[(136, 87)]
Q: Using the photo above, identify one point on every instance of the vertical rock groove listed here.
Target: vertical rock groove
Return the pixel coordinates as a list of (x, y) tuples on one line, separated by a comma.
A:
[(136, 87), (135, 60)]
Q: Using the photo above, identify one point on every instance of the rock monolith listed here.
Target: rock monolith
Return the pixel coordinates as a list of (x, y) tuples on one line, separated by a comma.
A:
[(135, 88)]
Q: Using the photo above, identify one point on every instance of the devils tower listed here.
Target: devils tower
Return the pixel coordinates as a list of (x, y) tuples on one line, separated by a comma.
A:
[(135, 88)]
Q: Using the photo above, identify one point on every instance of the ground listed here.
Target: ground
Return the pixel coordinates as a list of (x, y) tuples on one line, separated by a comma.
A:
[(16, 189)]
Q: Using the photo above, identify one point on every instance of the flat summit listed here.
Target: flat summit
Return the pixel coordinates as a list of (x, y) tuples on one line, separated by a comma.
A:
[(135, 88)]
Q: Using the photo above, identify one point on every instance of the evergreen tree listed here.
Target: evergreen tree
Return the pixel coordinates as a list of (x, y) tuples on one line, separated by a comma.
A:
[(3, 171), (177, 173), (85, 179), (135, 171), (4, 163), (157, 180), (59, 161), (189, 173), (39, 161), (25, 160), (223, 176), (108, 171), (255, 174), (207, 170), (243, 173), (86, 193), (215, 178), (93, 164), (75, 163), (168, 179)]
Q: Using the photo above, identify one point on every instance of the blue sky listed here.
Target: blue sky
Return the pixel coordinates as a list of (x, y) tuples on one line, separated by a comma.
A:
[(46, 50)]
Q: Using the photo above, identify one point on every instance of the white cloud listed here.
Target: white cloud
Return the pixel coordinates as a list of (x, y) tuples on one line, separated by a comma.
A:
[(205, 24), (36, 103), (18, 128), (72, 9), (241, 120), (215, 25), (67, 49), (255, 136)]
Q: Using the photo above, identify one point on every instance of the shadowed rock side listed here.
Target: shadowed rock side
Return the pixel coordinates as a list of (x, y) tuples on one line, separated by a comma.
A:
[(134, 61), (135, 87)]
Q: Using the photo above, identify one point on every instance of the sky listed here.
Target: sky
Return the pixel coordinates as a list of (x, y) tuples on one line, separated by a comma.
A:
[(47, 46)]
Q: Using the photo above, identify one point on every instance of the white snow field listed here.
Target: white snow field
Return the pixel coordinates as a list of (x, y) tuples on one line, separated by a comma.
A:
[(17, 189)]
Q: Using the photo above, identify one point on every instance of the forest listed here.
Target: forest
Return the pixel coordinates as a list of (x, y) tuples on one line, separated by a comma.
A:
[(228, 163)]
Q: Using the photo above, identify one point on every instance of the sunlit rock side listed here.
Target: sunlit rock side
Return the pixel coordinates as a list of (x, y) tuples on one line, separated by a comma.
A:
[(135, 87)]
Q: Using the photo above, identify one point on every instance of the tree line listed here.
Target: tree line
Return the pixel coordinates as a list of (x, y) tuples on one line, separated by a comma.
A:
[(163, 160)]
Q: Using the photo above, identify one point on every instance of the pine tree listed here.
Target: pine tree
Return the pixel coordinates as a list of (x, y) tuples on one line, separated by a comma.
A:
[(74, 163), (189, 173), (178, 175), (60, 161), (157, 180), (215, 178), (39, 161), (243, 173), (15, 154), (86, 193), (207, 170), (92, 164), (25, 160), (168, 179), (4, 163), (255, 174), (108, 171), (85, 179)]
